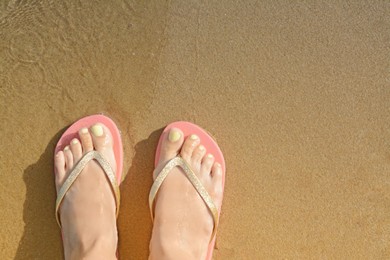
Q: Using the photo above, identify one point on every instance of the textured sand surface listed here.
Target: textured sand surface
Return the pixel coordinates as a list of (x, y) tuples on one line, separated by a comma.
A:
[(297, 95)]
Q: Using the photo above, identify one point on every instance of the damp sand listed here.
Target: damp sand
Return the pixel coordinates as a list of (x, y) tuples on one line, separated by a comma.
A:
[(297, 96)]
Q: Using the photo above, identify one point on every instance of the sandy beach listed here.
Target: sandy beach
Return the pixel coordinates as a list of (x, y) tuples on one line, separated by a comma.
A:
[(296, 94)]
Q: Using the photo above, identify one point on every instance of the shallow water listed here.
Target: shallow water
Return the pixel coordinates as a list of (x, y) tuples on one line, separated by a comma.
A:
[(297, 96)]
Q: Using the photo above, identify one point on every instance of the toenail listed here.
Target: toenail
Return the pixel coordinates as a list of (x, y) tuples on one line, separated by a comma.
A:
[(194, 137), (210, 156), (84, 130), (97, 130), (75, 141), (174, 135), (66, 148), (201, 148), (218, 165)]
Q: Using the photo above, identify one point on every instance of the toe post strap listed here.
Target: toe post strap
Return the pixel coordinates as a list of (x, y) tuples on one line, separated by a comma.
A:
[(75, 172), (179, 161)]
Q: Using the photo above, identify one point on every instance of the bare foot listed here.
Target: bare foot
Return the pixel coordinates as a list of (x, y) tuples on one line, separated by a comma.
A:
[(183, 224), (87, 212)]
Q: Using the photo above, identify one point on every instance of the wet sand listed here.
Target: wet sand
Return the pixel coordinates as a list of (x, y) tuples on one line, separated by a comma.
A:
[(297, 95)]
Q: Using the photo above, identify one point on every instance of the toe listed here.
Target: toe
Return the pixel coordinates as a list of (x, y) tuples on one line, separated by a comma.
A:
[(101, 137), (198, 154), (171, 144), (216, 173), (207, 163), (75, 147), (68, 158), (59, 166), (188, 147), (172, 141), (217, 179), (86, 140)]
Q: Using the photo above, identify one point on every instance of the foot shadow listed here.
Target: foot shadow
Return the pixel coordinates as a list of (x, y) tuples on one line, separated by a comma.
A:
[(42, 237), (135, 224)]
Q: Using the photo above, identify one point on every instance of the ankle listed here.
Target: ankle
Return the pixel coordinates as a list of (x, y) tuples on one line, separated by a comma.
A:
[(166, 247), (99, 247)]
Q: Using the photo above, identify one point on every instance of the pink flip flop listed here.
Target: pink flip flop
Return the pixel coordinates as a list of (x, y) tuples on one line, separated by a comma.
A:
[(114, 175), (211, 146), (88, 121)]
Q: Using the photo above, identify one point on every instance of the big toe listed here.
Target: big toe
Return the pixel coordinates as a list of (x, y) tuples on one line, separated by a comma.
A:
[(171, 144), (101, 137)]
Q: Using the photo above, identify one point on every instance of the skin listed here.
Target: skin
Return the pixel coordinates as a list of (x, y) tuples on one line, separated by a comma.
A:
[(182, 225), (87, 212)]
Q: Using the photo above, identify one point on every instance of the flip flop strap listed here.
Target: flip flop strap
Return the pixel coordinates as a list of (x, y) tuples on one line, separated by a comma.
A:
[(92, 155), (179, 161)]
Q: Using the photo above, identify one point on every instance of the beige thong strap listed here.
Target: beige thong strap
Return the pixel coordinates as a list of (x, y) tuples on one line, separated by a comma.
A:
[(92, 155), (178, 161)]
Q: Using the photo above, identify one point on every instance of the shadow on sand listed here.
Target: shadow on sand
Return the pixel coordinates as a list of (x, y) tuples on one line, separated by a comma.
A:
[(41, 238), (134, 222)]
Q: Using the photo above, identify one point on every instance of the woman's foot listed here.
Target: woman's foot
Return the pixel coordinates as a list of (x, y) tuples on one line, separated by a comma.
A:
[(87, 212), (183, 224)]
